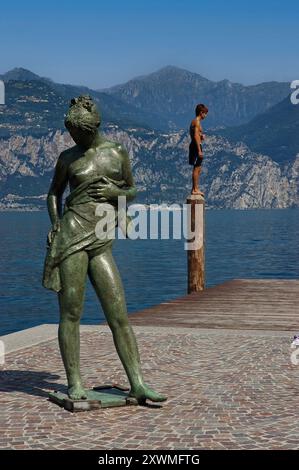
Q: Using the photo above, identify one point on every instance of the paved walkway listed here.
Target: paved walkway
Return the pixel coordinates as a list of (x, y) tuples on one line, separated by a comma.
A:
[(227, 390)]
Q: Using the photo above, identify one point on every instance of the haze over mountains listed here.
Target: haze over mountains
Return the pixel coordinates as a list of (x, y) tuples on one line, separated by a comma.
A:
[(275, 132), (163, 100), (253, 164), (36, 105), (171, 93)]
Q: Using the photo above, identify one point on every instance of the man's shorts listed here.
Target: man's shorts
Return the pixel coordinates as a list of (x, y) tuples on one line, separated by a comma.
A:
[(194, 158)]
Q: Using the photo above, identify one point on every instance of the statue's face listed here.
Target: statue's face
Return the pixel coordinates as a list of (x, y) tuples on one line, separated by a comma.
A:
[(82, 137)]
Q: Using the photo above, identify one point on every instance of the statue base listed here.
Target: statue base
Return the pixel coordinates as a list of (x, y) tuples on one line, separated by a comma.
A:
[(105, 396)]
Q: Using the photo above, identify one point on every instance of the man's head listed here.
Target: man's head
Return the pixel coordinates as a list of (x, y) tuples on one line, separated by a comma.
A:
[(83, 120), (201, 110)]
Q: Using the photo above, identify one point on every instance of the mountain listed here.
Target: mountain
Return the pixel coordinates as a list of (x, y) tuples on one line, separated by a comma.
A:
[(170, 95), (35, 106), (235, 174), (163, 100), (21, 74), (274, 132)]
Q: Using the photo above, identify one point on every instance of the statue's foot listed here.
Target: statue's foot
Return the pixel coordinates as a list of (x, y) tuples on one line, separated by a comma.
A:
[(77, 392), (143, 393)]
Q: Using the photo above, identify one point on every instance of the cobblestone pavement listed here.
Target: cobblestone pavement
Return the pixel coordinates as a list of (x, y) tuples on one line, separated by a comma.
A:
[(226, 391)]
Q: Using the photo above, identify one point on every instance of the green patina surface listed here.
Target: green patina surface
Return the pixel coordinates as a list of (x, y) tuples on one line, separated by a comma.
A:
[(98, 172)]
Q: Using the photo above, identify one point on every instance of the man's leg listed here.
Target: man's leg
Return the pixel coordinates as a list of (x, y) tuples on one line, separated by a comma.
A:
[(73, 271), (107, 283), (195, 180)]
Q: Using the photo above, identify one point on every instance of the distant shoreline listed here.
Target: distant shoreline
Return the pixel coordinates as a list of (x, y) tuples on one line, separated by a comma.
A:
[(245, 209)]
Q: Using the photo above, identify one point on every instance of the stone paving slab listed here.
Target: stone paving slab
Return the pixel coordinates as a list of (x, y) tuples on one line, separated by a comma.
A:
[(35, 335), (227, 390)]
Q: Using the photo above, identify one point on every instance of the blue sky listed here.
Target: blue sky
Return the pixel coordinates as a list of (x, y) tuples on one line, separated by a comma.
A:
[(102, 43)]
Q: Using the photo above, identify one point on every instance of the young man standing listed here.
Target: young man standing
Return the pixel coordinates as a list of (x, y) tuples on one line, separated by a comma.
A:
[(195, 147)]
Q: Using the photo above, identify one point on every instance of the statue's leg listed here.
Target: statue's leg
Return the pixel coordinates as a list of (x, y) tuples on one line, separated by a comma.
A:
[(107, 283), (73, 272)]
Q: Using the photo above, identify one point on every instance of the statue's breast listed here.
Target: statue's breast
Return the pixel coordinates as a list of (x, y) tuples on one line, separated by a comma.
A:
[(104, 162)]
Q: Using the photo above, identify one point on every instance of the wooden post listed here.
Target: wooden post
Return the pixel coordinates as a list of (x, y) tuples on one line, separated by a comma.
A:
[(195, 255)]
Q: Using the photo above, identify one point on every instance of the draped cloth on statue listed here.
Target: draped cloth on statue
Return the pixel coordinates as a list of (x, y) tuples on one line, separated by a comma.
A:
[(78, 230)]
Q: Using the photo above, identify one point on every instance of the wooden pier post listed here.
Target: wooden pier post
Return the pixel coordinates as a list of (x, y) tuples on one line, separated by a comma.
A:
[(196, 255)]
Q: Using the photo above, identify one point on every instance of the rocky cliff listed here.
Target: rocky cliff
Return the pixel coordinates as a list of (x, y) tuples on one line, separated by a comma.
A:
[(232, 176), (262, 172)]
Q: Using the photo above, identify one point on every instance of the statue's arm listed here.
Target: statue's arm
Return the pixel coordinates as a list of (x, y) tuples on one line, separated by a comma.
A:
[(110, 191), (130, 191), (58, 185)]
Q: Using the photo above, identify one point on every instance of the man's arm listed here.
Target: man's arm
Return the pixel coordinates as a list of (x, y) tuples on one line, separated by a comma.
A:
[(58, 185), (197, 138)]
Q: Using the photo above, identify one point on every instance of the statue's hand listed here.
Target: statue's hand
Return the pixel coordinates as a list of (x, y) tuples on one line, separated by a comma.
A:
[(104, 191), (55, 228)]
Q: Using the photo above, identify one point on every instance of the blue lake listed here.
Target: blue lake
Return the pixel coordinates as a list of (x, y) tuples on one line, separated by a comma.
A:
[(239, 244)]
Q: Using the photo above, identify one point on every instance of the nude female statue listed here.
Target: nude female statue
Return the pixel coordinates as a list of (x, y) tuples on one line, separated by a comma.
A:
[(97, 171)]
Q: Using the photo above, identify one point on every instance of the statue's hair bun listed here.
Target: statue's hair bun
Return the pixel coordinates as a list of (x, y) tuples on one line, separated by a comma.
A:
[(83, 114)]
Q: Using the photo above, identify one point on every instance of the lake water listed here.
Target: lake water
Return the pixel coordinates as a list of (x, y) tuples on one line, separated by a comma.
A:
[(239, 244)]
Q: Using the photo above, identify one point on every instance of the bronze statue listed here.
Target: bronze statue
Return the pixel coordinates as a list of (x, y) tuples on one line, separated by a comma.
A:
[(97, 171)]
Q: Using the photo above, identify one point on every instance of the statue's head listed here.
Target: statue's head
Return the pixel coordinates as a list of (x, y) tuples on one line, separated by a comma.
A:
[(83, 120)]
